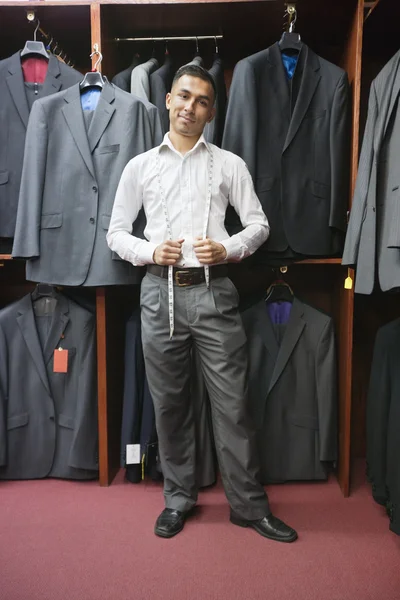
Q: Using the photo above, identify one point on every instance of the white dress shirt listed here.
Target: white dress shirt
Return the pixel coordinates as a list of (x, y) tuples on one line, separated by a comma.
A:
[(184, 179)]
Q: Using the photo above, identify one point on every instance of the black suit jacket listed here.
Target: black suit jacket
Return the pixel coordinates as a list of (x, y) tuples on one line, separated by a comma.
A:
[(292, 392), (295, 138), (160, 84), (383, 422), (48, 421), (14, 114)]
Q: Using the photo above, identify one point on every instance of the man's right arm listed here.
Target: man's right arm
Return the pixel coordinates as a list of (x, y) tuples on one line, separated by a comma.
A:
[(127, 204)]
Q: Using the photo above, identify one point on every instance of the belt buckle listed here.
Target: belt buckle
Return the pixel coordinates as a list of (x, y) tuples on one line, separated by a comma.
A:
[(178, 280)]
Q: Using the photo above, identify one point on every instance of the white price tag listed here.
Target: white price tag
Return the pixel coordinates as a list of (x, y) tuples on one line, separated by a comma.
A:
[(132, 454)]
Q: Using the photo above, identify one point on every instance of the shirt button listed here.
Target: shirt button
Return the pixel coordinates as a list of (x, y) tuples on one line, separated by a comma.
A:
[(94, 188), (91, 219)]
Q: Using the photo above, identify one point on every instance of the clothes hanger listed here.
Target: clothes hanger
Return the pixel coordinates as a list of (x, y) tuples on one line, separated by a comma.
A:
[(279, 291), (291, 41), (34, 47), (43, 290), (94, 78)]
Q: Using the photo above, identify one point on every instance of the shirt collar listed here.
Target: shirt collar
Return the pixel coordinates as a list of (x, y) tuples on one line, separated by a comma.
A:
[(167, 143)]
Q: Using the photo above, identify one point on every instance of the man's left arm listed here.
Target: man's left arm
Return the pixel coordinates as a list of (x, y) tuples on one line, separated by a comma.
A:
[(255, 224)]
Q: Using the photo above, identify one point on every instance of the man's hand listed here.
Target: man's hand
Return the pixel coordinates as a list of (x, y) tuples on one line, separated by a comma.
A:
[(168, 253), (209, 252)]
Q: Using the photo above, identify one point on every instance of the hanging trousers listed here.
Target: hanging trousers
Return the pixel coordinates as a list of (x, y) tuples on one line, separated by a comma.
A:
[(210, 320)]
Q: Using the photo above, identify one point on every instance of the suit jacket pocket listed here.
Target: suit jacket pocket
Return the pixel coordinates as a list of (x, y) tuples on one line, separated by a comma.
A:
[(264, 184), (107, 149), (3, 177), (51, 221), (307, 421), (64, 421), (394, 216), (105, 221), (321, 190), (17, 421)]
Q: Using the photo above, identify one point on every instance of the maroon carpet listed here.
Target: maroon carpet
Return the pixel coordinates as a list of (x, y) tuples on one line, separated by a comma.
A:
[(67, 541)]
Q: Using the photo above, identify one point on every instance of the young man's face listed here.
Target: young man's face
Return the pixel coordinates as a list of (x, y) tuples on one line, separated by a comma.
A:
[(191, 105)]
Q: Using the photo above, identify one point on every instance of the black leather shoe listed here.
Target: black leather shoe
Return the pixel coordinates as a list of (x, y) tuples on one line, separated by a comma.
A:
[(270, 527), (169, 523)]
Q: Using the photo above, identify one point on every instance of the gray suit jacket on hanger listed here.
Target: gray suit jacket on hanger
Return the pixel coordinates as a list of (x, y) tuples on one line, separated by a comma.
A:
[(48, 421), (68, 186), (140, 79), (14, 115), (293, 392), (160, 84), (372, 240), (213, 131)]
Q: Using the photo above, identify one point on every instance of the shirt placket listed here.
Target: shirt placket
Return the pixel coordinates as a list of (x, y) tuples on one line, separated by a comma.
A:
[(186, 203)]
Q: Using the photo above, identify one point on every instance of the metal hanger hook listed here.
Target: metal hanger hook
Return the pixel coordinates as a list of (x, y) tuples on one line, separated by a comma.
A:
[(35, 32), (197, 45), (293, 19), (216, 45), (99, 54)]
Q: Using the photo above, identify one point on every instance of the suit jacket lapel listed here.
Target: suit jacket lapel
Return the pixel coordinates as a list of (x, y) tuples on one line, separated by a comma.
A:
[(58, 324), (392, 90), (15, 82), (102, 115), (73, 115), (27, 325), (52, 82), (309, 83), (293, 331), (280, 83)]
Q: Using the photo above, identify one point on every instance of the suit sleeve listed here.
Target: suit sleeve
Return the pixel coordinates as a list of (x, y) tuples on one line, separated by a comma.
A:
[(27, 231), (3, 399), (340, 154), (378, 405), (84, 447), (327, 393), (359, 205), (240, 132)]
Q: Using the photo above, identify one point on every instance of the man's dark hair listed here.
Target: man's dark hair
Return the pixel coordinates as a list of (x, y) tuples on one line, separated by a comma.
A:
[(195, 71)]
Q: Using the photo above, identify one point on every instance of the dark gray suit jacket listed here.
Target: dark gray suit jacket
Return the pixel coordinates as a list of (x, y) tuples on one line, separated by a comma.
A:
[(383, 422), (160, 84), (213, 131), (292, 392), (69, 181), (14, 114), (48, 421), (295, 138), (123, 79), (138, 420), (377, 190)]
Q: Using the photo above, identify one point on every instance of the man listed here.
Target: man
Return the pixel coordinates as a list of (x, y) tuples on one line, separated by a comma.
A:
[(185, 186)]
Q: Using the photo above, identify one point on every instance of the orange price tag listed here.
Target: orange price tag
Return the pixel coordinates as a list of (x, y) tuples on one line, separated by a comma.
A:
[(60, 364)]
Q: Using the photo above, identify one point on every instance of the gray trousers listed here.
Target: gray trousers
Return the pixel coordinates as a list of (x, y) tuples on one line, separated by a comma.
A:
[(209, 319)]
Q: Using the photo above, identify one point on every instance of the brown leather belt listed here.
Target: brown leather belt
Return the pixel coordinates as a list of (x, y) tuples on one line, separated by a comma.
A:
[(189, 276)]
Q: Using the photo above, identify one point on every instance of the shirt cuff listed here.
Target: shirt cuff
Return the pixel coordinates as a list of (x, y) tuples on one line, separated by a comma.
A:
[(233, 249), (146, 252)]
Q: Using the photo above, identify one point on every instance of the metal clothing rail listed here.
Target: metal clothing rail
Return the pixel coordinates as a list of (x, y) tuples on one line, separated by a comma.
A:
[(184, 38)]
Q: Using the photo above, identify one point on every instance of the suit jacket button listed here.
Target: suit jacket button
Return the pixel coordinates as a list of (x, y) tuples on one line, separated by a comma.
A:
[(91, 219), (94, 188), (52, 418)]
